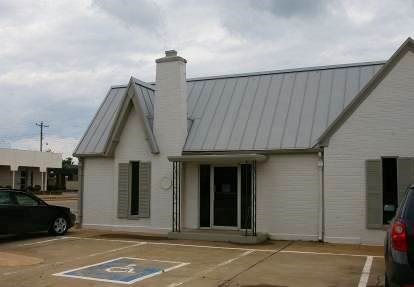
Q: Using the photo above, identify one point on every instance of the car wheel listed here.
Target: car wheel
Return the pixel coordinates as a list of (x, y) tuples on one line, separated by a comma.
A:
[(59, 226)]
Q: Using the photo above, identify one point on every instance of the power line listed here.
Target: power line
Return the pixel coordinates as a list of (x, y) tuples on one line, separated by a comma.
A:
[(42, 126)]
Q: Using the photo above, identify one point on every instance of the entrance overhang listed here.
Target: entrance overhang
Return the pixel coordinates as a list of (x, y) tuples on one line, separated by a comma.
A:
[(219, 158)]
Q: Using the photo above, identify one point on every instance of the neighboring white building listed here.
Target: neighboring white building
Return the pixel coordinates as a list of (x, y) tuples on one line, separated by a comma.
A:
[(322, 153), (21, 169)]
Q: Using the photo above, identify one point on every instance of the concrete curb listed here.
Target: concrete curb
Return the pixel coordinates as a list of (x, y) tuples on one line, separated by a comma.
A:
[(58, 198)]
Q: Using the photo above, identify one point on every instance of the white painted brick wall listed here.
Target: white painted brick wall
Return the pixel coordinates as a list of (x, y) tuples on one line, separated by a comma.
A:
[(288, 192), (101, 185), (170, 125), (381, 126), (98, 201), (190, 195)]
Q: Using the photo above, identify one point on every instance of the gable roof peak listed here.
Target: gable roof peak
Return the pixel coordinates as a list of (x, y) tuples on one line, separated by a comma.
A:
[(407, 45)]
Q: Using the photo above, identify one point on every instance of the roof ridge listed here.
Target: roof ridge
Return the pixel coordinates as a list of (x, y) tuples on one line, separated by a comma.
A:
[(143, 84), (290, 70), (151, 85)]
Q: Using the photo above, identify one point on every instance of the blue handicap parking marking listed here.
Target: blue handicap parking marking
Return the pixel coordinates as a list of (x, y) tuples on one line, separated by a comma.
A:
[(122, 270)]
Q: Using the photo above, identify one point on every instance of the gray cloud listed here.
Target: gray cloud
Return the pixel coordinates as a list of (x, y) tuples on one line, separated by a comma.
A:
[(145, 14), (58, 58), (292, 8)]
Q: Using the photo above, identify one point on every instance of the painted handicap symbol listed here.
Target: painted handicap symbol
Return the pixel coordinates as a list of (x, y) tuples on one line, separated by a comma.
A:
[(122, 269), (125, 270)]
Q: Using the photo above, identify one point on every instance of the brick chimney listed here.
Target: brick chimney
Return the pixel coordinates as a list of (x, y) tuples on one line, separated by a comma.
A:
[(170, 107)]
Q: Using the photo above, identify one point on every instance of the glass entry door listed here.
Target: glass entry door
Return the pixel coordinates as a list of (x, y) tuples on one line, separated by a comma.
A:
[(225, 192)]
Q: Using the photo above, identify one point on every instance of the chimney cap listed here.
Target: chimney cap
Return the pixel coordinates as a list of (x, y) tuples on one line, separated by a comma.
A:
[(171, 56), (170, 53)]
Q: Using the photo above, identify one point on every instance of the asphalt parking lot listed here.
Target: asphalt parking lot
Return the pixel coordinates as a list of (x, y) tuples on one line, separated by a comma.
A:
[(90, 258)]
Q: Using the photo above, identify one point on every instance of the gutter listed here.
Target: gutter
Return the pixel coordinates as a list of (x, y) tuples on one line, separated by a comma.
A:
[(264, 152)]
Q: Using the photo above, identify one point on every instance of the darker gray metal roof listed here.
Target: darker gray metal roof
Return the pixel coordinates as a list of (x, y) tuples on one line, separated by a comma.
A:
[(283, 109)]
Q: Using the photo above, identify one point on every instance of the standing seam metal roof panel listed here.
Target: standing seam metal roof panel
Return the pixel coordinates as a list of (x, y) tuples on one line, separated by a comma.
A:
[(94, 131), (98, 133), (286, 109), (272, 110)]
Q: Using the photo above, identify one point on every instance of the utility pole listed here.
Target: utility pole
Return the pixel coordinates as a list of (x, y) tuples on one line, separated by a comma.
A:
[(42, 126)]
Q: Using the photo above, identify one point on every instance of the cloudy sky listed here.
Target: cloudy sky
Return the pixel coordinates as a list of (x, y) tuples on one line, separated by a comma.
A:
[(58, 58)]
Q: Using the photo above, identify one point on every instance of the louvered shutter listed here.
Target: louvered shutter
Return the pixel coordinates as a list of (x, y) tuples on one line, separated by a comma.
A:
[(123, 190), (204, 179), (374, 194), (405, 176), (144, 189)]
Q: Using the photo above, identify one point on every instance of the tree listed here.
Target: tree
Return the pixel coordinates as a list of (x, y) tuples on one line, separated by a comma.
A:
[(68, 163)]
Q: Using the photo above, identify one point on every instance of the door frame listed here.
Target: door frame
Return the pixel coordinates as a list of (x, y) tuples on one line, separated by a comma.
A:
[(212, 169)]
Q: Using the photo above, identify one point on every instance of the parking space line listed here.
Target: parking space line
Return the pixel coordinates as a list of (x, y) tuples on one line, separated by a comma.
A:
[(208, 270), (229, 248), (80, 258), (42, 241), (363, 281), (206, 246), (329, 253), (226, 282), (172, 244), (102, 239)]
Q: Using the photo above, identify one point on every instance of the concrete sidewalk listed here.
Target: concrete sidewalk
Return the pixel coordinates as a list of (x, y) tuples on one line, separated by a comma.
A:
[(59, 197)]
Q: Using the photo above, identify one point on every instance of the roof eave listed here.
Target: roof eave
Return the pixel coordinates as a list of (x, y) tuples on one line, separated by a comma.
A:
[(89, 155), (93, 119), (215, 158), (255, 151)]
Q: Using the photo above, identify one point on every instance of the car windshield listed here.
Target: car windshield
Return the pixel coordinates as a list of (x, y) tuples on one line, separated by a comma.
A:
[(6, 198)]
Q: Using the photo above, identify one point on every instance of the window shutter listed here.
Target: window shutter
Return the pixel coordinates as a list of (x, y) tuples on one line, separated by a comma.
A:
[(204, 181), (144, 189), (123, 190), (374, 194), (405, 176), (246, 196)]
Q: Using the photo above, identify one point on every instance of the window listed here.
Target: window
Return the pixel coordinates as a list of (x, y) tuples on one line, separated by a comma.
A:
[(6, 198), (134, 190), (389, 189), (387, 180), (134, 198), (23, 199)]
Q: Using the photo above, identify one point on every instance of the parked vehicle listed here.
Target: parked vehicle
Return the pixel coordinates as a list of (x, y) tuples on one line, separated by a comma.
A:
[(22, 212), (399, 244)]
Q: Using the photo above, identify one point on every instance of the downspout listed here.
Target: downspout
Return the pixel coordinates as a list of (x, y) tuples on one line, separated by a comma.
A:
[(81, 188), (321, 165)]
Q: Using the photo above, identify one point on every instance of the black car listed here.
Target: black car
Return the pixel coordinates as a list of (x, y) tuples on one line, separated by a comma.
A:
[(399, 245), (22, 212)]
